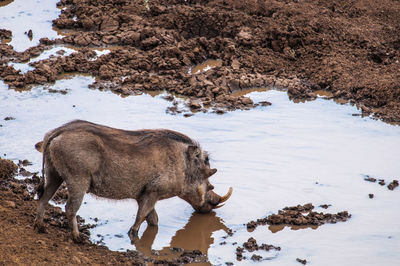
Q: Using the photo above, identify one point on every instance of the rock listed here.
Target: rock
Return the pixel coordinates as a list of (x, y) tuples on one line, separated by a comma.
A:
[(244, 34), (304, 262), (393, 184), (370, 179), (40, 242), (10, 204), (235, 64), (110, 39), (265, 103), (246, 101), (194, 105), (256, 257), (109, 24), (75, 260)]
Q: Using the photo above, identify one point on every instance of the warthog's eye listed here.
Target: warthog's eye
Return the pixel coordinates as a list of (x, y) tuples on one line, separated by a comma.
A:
[(207, 160)]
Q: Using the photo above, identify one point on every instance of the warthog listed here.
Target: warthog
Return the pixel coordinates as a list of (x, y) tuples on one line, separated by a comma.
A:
[(146, 165)]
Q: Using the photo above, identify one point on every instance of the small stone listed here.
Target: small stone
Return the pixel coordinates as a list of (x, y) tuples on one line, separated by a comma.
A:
[(256, 257), (393, 184), (265, 103), (194, 105), (304, 262), (235, 64), (76, 260), (325, 206), (10, 204), (40, 242), (371, 196), (370, 179)]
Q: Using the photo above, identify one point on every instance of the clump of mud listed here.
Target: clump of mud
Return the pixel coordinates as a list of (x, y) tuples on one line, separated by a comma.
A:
[(391, 186), (183, 257), (300, 215), (302, 261), (250, 246), (7, 169)]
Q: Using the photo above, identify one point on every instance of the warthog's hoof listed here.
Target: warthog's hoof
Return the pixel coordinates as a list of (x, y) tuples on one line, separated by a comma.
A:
[(80, 239), (40, 228), (133, 235)]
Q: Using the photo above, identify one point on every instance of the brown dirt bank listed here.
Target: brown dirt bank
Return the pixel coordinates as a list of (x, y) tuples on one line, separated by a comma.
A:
[(350, 49), (21, 244)]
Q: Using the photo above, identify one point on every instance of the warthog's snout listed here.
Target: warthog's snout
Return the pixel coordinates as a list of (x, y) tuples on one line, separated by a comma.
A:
[(214, 201)]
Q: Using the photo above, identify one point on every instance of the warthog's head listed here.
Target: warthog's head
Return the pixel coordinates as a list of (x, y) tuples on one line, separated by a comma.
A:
[(198, 191)]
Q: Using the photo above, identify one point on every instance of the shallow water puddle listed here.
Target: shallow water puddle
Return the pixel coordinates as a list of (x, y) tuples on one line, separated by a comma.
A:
[(53, 52), (205, 66), (276, 156), (20, 16)]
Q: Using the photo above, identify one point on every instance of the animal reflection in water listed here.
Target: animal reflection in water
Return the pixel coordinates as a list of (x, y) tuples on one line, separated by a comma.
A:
[(195, 235)]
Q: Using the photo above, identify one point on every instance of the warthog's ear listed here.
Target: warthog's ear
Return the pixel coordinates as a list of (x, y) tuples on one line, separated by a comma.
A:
[(211, 172), (193, 151), (39, 146)]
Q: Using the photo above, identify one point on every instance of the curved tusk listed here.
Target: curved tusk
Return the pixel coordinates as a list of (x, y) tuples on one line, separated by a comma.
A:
[(219, 206), (227, 196)]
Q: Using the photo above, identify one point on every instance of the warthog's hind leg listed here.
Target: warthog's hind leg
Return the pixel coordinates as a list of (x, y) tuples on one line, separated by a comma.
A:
[(53, 182), (146, 206), (75, 197)]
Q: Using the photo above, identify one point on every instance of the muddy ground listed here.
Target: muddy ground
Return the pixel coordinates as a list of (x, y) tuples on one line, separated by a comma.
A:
[(349, 49), (22, 244)]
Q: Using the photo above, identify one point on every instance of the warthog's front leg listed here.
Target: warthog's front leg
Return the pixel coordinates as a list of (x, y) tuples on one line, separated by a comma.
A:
[(152, 218), (146, 206)]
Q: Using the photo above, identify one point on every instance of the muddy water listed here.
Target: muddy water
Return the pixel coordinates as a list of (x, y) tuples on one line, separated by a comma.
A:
[(275, 156), (207, 65)]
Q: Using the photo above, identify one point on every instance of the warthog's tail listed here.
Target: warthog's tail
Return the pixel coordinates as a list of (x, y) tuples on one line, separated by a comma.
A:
[(42, 147), (40, 187)]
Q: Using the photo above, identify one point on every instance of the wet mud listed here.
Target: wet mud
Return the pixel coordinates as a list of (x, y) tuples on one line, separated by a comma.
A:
[(349, 50), (391, 185), (250, 246), (300, 215)]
